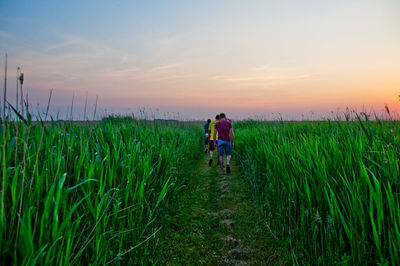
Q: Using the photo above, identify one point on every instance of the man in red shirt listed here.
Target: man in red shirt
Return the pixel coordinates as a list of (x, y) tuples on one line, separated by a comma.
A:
[(224, 144)]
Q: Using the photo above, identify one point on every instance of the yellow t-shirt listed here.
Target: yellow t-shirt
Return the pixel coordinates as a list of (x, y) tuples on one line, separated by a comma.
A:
[(211, 128)]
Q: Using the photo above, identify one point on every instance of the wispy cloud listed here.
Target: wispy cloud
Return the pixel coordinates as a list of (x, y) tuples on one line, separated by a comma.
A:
[(261, 68), (67, 41), (262, 75), (166, 67), (110, 62), (174, 77), (261, 78), (170, 40), (123, 73), (75, 62)]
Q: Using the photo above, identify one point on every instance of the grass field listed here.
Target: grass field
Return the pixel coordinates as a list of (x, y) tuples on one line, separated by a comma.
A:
[(98, 193), (330, 189), (76, 194)]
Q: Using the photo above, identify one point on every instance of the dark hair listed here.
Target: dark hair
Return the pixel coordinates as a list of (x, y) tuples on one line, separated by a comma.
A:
[(209, 120), (221, 115), (217, 117)]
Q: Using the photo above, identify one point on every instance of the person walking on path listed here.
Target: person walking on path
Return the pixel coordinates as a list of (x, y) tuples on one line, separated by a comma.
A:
[(213, 138), (225, 141), (207, 137)]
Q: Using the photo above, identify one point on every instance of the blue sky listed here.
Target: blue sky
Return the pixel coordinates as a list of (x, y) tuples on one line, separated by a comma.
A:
[(196, 58)]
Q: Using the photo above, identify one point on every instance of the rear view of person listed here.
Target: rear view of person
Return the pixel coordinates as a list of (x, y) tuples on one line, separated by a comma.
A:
[(225, 134), (207, 137), (213, 138)]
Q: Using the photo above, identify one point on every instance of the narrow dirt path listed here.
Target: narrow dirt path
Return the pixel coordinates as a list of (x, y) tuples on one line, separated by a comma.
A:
[(216, 223)]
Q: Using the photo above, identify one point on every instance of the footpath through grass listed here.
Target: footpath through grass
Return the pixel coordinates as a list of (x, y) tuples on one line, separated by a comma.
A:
[(215, 222)]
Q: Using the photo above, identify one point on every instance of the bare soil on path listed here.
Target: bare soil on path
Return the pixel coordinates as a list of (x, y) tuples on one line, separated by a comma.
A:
[(217, 223)]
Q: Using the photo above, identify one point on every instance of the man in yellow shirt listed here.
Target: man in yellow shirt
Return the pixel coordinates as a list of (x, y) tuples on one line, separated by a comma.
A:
[(213, 142)]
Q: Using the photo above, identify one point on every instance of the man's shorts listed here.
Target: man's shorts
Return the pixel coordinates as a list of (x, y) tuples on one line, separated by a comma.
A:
[(224, 146), (212, 147)]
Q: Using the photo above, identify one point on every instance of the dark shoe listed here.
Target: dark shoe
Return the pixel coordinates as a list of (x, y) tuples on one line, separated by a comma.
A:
[(210, 162), (205, 151), (228, 169)]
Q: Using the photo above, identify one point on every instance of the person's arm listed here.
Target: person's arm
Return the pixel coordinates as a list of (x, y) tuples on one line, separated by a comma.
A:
[(233, 137), (215, 133)]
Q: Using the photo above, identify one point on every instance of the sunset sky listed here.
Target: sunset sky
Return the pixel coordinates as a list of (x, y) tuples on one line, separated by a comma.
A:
[(198, 58)]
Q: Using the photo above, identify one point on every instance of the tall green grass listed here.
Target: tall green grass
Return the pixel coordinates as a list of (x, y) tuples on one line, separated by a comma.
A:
[(89, 193), (330, 189)]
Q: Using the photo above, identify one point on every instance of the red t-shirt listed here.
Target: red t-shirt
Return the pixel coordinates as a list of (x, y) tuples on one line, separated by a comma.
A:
[(223, 127)]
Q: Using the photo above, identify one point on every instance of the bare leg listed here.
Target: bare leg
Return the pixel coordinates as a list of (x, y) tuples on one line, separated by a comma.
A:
[(221, 161), (228, 160)]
